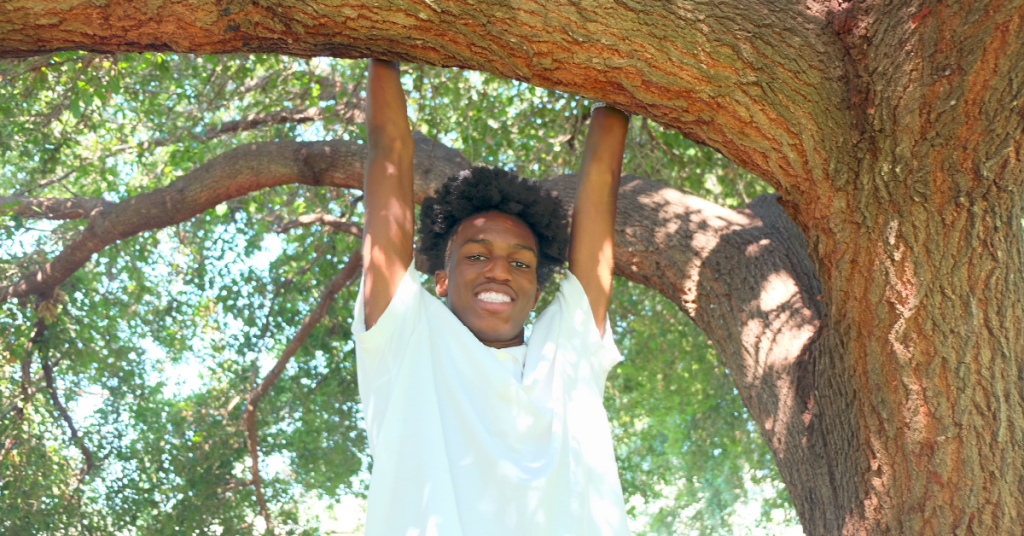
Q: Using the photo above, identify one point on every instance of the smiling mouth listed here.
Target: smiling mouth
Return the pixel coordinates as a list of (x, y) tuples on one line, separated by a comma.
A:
[(493, 297)]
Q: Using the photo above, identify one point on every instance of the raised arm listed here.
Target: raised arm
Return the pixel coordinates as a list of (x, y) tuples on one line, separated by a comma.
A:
[(593, 219), (388, 198)]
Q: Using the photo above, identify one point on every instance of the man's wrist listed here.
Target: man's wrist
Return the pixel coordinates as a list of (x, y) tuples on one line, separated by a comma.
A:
[(386, 63), (602, 104)]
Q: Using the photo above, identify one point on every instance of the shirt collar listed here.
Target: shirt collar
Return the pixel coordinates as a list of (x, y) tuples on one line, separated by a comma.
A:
[(518, 352)]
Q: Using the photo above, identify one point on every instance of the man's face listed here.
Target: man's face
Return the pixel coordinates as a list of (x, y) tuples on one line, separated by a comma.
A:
[(491, 277)]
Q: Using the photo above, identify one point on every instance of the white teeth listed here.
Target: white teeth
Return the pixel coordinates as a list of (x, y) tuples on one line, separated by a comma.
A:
[(493, 297)]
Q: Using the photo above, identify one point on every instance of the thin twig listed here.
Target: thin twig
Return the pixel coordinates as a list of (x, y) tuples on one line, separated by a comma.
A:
[(288, 280), (8, 446), (354, 102), (15, 406), (48, 182), (320, 218), (45, 61), (234, 483), (731, 169), (351, 112), (339, 281), (27, 392), (78, 440), (661, 145), (26, 362)]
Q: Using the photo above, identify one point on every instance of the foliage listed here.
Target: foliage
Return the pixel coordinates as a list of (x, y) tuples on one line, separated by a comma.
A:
[(158, 339), (684, 439)]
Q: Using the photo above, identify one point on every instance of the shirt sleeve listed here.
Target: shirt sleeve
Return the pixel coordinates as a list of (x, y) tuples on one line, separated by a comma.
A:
[(599, 344), (380, 349), (391, 332)]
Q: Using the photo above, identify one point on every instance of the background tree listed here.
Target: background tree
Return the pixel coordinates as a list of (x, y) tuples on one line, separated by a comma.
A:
[(161, 342), (881, 357)]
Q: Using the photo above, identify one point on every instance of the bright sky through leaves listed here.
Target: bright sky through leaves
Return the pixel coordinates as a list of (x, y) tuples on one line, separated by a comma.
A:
[(161, 334)]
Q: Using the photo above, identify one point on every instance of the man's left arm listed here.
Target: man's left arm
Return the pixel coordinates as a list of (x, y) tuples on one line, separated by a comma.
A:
[(591, 257)]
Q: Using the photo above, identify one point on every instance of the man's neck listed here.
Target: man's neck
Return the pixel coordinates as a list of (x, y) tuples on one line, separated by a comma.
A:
[(518, 340)]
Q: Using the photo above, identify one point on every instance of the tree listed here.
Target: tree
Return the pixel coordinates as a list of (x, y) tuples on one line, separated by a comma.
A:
[(881, 356), (205, 296)]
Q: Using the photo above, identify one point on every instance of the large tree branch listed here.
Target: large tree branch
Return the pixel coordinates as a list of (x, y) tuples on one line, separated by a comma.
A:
[(761, 81), (880, 123), (345, 276), (664, 239), (237, 172), (51, 208), (743, 275), (349, 110)]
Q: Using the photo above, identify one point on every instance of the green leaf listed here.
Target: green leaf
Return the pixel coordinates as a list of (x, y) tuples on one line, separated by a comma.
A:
[(160, 332), (76, 107)]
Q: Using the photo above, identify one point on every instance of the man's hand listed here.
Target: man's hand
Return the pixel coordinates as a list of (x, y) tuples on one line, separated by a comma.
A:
[(591, 257), (388, 201)]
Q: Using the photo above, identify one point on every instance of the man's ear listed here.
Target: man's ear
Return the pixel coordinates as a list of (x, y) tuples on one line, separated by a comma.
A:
[(441, 283), (536, 298)]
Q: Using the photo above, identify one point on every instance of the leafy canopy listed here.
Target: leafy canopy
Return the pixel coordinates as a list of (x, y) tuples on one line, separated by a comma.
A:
[(157, 341)]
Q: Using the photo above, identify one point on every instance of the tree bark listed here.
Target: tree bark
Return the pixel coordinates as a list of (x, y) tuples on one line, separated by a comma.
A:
[(883, 357)]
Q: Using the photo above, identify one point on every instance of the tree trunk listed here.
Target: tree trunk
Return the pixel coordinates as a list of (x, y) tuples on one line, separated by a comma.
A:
[(891, 391)]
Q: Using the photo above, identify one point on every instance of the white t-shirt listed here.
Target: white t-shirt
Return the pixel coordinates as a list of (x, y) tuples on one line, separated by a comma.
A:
[(472, 441)]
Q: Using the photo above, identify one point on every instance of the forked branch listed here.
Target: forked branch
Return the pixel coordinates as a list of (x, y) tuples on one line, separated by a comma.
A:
[(349, 111), (77, 439), (27, 389), (240, 171), (339, 281), (327, 220)]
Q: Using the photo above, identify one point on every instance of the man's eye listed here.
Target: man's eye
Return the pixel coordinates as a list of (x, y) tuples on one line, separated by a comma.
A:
[(476, 257), (519, 264)]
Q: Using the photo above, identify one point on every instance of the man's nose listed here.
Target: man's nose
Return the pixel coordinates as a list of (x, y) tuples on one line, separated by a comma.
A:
[(498, 269)]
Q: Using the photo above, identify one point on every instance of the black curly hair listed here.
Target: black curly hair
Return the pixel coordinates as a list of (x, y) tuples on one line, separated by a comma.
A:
[(483, 189)]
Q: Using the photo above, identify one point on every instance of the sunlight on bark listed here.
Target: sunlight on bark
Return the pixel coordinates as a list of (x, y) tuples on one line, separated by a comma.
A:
[(776, 340), (778, 289)]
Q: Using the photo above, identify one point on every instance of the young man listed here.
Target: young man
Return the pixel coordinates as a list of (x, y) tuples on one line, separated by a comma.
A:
[(472, 431)]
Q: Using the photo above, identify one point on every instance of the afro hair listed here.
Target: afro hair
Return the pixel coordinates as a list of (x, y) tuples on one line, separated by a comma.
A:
[(482, 189)]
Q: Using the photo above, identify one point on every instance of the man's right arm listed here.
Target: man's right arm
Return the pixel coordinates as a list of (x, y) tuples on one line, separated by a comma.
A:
[(388, 196)]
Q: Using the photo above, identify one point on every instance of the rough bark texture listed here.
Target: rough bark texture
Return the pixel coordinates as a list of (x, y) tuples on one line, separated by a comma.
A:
[(891, 391)]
